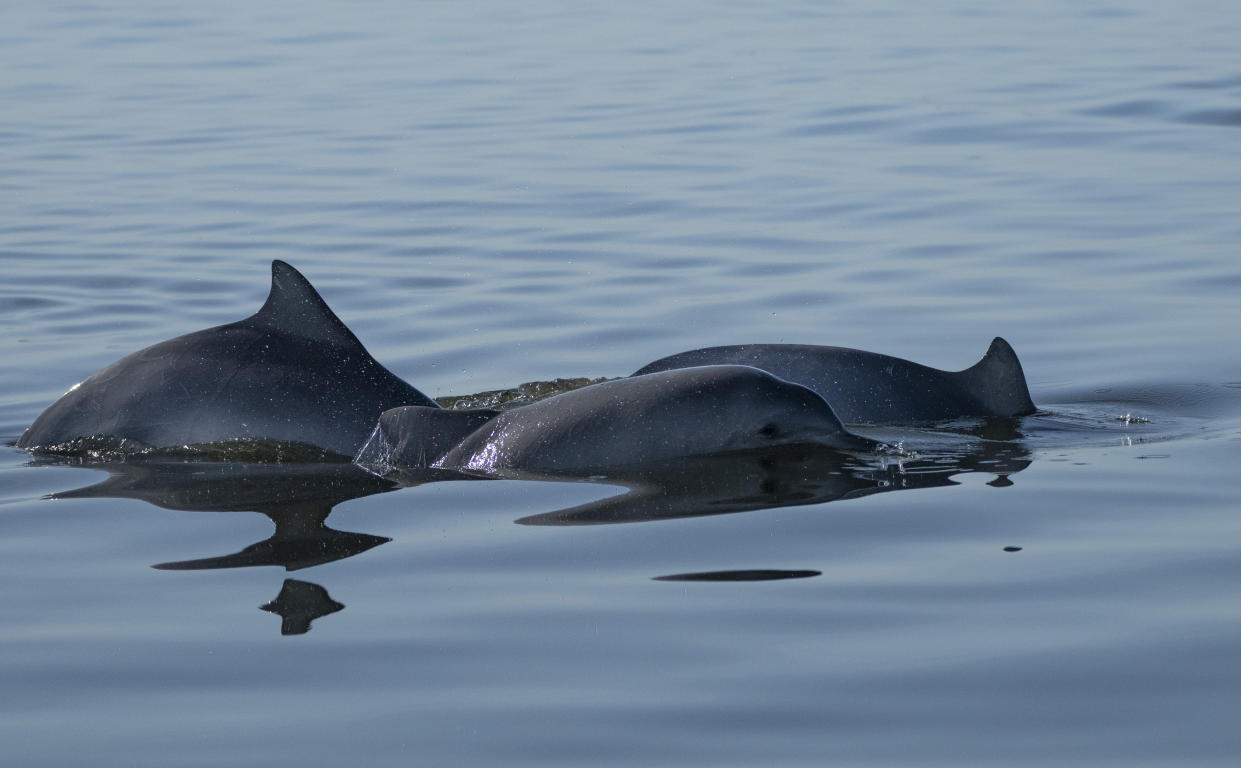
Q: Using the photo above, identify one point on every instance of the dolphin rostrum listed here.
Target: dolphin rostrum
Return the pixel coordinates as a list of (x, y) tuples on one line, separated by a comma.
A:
[(291, 373), (869, 388), (618, 423)]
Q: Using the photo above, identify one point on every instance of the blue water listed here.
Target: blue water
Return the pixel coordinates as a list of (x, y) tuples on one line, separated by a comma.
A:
[(490, 194)]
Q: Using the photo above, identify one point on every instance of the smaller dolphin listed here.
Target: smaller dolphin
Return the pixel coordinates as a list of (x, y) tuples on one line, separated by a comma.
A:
[(869, 388), (619, 423), (291, 373)]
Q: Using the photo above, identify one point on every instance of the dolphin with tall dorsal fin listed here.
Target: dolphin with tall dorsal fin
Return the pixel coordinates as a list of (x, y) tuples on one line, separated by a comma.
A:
[(869, 388), (292, 373), (619, 423)]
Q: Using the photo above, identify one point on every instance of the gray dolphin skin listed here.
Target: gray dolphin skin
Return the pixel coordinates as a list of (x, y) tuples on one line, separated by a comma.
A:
[(623, 422), (869, 388), (290, 373)]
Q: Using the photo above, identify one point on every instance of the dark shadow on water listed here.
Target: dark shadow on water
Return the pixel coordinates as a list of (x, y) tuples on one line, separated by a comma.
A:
[(761, 574)]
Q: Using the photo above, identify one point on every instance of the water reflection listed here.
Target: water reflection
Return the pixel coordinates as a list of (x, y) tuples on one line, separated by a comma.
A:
[(300, 603), (225, 486), (298, 499), (776, 477), (302, 539), (760, 574)]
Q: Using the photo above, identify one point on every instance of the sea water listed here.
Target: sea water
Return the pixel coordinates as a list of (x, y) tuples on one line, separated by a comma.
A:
[(490, 194)]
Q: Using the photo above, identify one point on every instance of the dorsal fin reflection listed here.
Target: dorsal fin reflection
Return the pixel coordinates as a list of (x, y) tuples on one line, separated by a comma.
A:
[(299, 603), (297, 498)]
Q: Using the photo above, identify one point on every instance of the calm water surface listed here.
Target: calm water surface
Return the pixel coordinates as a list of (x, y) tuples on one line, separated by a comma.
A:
[(490, 195)]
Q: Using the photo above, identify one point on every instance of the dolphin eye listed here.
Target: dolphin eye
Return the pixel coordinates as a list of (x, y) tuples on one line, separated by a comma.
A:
[(769, 431)]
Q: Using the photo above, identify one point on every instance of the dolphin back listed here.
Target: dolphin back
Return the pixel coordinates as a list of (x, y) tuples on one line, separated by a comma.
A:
[(870, 388), (290, 373)]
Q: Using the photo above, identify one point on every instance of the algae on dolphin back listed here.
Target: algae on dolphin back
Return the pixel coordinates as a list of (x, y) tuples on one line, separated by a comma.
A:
[(522, 394)]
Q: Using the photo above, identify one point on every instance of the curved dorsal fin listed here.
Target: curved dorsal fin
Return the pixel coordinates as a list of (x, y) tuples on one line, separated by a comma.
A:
[(999, 383), (295, 307)]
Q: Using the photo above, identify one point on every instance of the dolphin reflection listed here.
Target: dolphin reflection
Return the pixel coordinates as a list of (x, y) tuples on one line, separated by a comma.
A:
[(762, 574), (780, 476), (299, 603), (297, 498)]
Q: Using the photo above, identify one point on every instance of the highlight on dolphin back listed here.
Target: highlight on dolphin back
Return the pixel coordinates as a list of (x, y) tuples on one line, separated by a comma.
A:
[(618, 423), (870, 388), (291, 380)]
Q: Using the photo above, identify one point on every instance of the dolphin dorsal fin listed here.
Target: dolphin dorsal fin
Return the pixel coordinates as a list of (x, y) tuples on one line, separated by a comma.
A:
[(295, 307), (999, 383), (418, 436)]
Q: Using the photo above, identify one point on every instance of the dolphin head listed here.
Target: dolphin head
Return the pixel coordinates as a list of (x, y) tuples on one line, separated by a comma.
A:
[(749, 408)]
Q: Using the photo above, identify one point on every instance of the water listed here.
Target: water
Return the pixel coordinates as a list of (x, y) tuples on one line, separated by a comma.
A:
[(491, 195)]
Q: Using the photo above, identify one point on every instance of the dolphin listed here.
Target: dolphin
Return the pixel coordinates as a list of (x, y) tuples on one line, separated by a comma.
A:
[(618, 423), (869, 388), (291, 373)]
